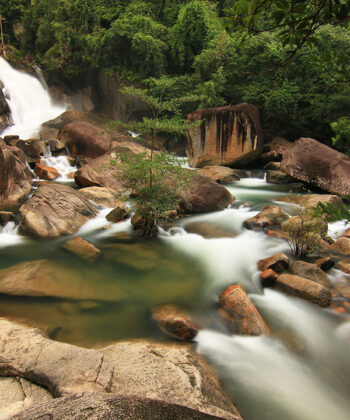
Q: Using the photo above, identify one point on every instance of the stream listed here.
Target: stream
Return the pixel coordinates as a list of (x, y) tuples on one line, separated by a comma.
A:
[(301, 372)]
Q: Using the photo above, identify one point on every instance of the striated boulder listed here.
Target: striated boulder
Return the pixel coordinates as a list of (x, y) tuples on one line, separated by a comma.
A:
[(269, 216), (239, 313), (228, 135), (130, 368), (46, 172), (304, 289), (311, 161), (14, 177), (82, 249), (311, 272), (55, 210), (85, 139), (174, 322)]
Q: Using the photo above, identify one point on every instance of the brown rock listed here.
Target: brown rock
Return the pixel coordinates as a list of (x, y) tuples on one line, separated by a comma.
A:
[(101, 196), (311, 272), (229, 135), (278, 177), (272, 166), (344, 289), (174, 322), (325, 263), (129, 368), (129, 147), (277, 234), (209, 230), (46, 134), (31, 149), (278, 145), (46, 172), (269, 216), (14, 177), (344, 265), (82, 249), (244, 317), (120, 212), (304, 289), (311, 200), (55, 210), (318, 165), (341, 246), (278, 263), (268, 278), (85, 139), (5, 217), (346, 234), (221, 174)]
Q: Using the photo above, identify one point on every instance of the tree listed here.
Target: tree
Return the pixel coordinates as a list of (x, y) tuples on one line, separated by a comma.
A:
[(155, 178)]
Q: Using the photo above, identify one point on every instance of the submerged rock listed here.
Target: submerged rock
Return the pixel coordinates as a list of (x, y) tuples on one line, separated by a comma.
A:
[(174, 322), (82, 249), (55, 210), (239, 313), (228, 135)]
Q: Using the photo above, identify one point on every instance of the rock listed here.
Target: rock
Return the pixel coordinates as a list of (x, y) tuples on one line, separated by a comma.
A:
[(278, 263), (47, 134), (85, 139), (55, 210), (4, 111), (5, 217), (278, 177), (101, 196), (325, 263), (229, 135), (46, 172), (129, 368), (268, 157), (221, 174), (318, 165), (304, 289), (311, 200), (120, 212), (174, 322), (268, 278), (343, 265), (204, 195), (269, 216), (129, 147), (31, 149), (82, 249), (57, 146), (14, 177), (209, 230), (244, 317), (341, 246), (278, 145), (298, 223), (277, 234), (100, 172), (18, 394), (346, 234), (272, 166), (344, 289), (311, 272)]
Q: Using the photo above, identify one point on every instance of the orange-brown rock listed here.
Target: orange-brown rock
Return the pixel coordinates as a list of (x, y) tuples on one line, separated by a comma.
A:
[(311, 272), (244, 318), (341, 246), (228, 135), (46, 172), (278, 263), (304, 289), (174, 322), (268, 278), (343, 265), (269, 216), (277, 234), (325, 263), (346, 234), (82, 248)]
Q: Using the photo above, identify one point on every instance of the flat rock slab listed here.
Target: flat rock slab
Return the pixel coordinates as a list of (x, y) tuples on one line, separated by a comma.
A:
[(55, 210), (169, 373)]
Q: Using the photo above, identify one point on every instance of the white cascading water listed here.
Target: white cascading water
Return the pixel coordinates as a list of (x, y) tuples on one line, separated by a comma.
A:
[(30, 104)]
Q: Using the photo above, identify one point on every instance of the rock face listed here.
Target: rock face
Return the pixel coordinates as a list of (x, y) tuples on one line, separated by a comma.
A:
[(240, 314), (229, 135), (55, 210), (85, 139), (14, 177), (128, 369), (319, 165)]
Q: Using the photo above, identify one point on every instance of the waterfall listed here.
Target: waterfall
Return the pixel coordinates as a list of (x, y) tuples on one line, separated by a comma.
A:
[(30, 104)]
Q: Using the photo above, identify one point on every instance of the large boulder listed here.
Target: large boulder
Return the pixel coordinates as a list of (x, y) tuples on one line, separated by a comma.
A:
[(311, 272), (15, 177), (318, 165), (228, 135), (101, 196), (170, 373), (85, 139), (55, 210)]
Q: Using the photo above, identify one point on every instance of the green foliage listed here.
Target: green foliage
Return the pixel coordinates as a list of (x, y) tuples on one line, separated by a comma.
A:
[(341, 140)]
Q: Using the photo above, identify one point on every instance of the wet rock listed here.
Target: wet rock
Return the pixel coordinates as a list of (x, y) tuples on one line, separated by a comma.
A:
[(55, 210), (341, 246), (18, 394), (278, 263), (101, 196), (343, 265), (269, 216), (325, 263), (5, 217), (311, 200), (120, 212), (174, 322), (129, 368), (85, 139), (209, 230), (82, 249), (244, 318), (268, 278), (57, 146), (221, 174), (15, 177), (46, 172), (272, 166), (311, 272), (317, 164), (31, 149), (204, 195), (229, 135), (304, 289), (278, 177), (277, 233)]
